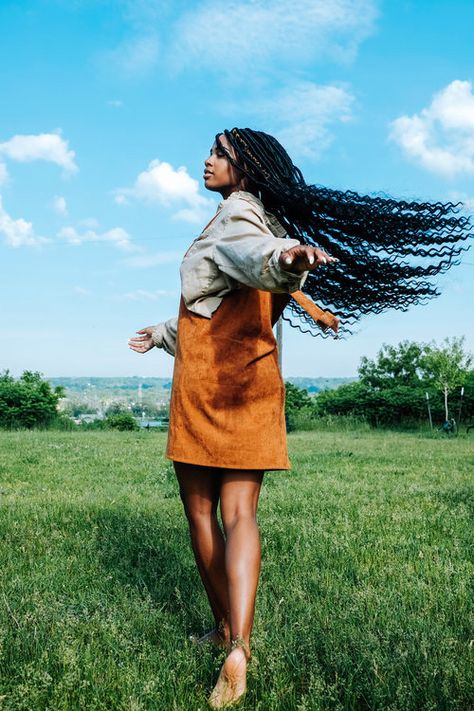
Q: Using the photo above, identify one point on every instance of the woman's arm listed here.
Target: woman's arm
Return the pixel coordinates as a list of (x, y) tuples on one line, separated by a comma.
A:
[(163, 335), (249, 252)]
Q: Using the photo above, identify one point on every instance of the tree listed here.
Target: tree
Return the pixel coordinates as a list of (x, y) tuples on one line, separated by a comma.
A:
[(404, 364), (392, 387), (28, 401), (448, 366), (122, 421), (297, 401)]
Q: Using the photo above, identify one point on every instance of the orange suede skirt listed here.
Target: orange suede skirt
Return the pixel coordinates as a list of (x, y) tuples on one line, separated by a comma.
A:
[(228, 396)]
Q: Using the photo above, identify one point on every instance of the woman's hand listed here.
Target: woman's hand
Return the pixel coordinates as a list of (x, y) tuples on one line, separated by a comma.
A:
[(303, 258), (142, 344)]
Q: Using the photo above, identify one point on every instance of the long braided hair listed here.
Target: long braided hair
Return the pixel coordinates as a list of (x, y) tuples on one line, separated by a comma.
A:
[(372, 236)]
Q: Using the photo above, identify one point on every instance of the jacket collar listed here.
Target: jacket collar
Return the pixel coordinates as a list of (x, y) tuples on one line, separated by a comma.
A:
[(277, 229)]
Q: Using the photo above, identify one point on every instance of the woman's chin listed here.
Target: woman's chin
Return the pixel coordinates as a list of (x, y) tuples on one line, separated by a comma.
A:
[(209, 185)]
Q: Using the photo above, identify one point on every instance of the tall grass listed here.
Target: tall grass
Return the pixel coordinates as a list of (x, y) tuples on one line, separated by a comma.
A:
[(305, 420), (366, 599)]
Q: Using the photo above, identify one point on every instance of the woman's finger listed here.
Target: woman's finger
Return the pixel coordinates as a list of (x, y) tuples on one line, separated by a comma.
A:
[(146, 344), (139, 349)]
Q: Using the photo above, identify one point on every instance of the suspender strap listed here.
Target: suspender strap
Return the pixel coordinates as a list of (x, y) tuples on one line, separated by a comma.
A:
[(324, 319)]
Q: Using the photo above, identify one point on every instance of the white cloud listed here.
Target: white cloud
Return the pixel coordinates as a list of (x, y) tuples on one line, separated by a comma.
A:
[(3, 174), (144, 261), (90, 222), (18, 233), (441, 137), (162, 184), (457, 196), (143, 295), (135, 56), (115, 103), (44, 146), (143, 13), (59, 205), (301, 114), (117, 236), (81, 291), (231, 36)]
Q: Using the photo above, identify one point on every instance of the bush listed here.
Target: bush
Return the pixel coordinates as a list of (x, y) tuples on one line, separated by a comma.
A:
[(121, 421), (28, 401), (298, 406)]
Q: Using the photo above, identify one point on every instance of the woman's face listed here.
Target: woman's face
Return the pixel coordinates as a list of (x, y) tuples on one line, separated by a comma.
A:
[(219, 174)]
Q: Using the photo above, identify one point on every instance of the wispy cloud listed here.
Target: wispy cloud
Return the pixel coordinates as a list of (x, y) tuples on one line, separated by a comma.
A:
[(81, 291), (18, 232), (458, 196), (229, 37), (89, 222), (144, 261), (43, 146), (117, 237), (3, 174), (172, 188), (441, 137), (133, 57), (301, 115), (59, 205), (115, 103), (144, 295)]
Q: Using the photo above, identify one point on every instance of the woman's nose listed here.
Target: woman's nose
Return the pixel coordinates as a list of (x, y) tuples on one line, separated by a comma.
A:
[(208, 161)]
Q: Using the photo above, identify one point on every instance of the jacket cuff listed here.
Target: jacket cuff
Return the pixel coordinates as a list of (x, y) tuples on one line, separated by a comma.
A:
[(292, 281), (157, 335)]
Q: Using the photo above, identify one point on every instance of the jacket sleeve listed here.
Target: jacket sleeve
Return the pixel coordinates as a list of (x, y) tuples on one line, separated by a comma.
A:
[(164, 335), (248, 252)]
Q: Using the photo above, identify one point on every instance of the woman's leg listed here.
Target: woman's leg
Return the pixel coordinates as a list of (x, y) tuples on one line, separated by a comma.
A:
[(199, 489), (239, 499)]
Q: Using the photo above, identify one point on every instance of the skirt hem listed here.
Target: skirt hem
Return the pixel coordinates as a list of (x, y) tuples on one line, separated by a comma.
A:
[(213, 465)]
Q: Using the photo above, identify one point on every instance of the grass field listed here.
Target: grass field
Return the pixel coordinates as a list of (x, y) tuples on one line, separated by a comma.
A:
[(366, 599)]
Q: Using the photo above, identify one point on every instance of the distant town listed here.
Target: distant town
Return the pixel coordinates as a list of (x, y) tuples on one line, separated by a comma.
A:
[(91, 398)]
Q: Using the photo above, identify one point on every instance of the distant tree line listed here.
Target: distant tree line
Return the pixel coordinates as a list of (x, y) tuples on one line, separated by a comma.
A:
[(395, 388), (31, 402), (392, 390)]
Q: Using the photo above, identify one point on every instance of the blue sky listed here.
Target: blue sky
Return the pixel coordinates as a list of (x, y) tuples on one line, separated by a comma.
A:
[(110, 107)]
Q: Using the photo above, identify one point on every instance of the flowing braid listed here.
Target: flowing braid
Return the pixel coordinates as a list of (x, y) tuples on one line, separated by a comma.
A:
[(372, 236)]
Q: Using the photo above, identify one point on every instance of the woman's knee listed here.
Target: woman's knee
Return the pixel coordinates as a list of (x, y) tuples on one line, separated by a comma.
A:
[(199, 513), (239, 498), (238, 515)]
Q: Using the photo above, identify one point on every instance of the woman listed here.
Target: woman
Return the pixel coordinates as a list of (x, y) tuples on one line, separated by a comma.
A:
[(227, 404)]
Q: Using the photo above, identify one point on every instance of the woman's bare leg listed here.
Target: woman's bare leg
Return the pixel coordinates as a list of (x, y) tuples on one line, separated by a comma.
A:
[(199, 489), (239, 499)]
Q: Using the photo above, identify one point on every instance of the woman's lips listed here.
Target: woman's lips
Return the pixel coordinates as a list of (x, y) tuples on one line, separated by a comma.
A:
[(207, 174)]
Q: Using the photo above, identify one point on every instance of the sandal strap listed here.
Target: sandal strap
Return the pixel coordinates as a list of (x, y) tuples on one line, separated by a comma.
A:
[(240, 642)]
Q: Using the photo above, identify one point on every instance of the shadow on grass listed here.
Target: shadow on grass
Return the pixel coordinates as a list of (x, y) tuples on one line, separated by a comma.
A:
[(152, 555), (463, 496)]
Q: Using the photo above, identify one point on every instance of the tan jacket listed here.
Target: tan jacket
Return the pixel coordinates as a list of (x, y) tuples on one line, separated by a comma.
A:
[(241, 245)]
